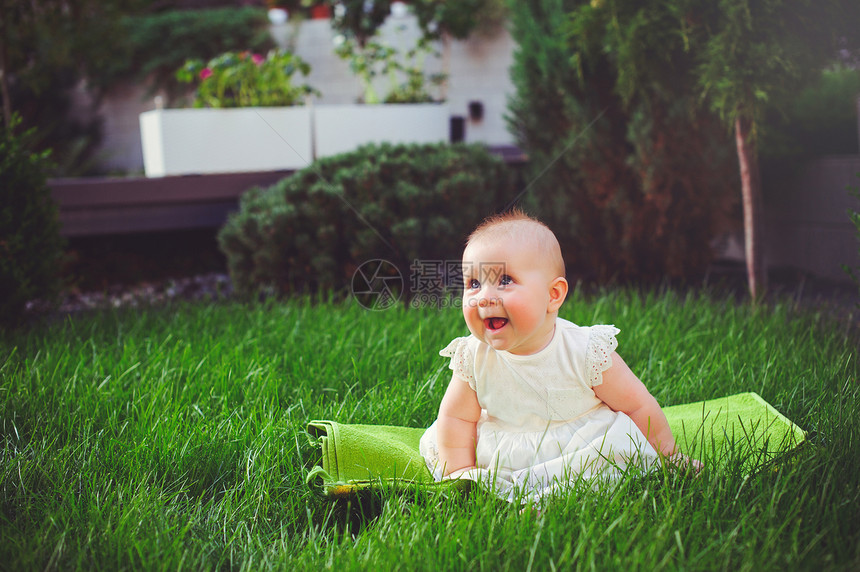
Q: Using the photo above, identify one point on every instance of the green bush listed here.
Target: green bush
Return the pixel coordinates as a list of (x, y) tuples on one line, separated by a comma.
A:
[(635, 184), (31, 248), (398, 203)]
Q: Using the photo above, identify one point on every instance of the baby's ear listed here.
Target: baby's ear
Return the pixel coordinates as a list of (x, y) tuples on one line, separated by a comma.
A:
[(557, 294)]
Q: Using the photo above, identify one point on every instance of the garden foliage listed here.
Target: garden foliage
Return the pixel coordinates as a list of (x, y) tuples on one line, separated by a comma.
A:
[(407, 81), (398, 203), (50, 46), (635, 184), (159, 44), (46, 48), (31, 248), (821, 119), (360, 20), (244, 79)]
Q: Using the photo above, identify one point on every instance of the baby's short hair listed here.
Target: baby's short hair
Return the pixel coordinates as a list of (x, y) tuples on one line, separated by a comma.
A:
[(516, 223)]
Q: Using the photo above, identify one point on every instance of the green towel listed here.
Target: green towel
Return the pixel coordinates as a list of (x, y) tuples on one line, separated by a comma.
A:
[(744, 426), (355, 457)]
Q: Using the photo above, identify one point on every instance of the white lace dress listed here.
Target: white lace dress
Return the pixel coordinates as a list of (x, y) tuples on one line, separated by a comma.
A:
[(542, 427)]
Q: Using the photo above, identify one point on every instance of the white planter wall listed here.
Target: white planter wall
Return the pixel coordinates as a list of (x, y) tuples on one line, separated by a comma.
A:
[(342, 128), (200, 141)]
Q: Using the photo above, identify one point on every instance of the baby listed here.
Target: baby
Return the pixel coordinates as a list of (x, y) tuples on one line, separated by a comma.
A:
[(535, 401)]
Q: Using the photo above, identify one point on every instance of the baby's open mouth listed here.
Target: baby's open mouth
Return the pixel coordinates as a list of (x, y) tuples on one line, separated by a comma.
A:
[(495, 323)]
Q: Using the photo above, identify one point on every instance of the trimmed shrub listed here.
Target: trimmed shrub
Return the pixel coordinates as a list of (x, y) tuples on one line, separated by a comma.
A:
[(400, 203), (31, 248)]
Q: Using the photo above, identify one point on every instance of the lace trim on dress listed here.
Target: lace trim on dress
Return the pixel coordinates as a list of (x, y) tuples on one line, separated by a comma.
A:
[(598, 354), (462, 363)]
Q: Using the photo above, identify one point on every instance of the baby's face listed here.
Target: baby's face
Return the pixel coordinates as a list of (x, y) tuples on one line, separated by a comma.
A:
[(506, 296)]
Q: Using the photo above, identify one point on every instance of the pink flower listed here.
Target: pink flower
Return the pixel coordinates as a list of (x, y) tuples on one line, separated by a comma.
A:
[(257, 58), (205, 72)]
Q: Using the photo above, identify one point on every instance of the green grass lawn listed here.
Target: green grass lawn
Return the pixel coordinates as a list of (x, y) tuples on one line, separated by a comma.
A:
[(174, 438)]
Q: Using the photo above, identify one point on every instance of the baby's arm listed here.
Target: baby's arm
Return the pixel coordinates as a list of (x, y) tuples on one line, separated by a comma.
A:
[(456, 426), (621, 390)]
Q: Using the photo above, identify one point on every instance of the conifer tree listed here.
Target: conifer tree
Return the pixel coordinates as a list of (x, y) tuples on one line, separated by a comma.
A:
[(745, 54)]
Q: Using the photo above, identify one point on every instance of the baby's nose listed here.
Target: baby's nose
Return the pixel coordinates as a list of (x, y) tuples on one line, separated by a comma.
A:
[(488, 301)]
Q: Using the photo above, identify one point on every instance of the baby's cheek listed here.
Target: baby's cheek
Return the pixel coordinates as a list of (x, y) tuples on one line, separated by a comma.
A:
[(525, 316), (467, 307)]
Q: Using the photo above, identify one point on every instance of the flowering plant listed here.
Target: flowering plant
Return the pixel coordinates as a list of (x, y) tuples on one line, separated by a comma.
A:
[(243, 79)]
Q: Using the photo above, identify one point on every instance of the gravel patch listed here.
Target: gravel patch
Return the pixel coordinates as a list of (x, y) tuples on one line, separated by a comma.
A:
[(203, 288)]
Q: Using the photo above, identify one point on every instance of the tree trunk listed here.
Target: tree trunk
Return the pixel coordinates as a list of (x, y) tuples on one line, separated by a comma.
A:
[(753, 207)]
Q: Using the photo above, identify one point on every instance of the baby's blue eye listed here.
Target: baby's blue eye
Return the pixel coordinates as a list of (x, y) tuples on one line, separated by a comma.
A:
[(473, 284), (505, 280)]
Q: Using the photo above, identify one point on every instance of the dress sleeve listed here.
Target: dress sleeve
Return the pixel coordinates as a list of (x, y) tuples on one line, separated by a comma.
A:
[(598, 353), (462, 363)]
